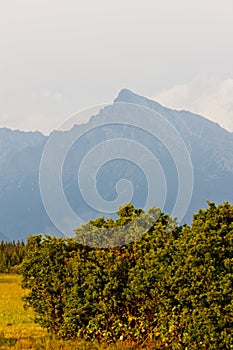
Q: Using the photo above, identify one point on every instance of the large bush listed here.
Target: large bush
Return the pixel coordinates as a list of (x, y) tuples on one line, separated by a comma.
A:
[(173, 285)]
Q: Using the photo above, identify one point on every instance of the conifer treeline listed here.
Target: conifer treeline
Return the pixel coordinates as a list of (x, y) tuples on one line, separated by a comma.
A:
[(11, 256)]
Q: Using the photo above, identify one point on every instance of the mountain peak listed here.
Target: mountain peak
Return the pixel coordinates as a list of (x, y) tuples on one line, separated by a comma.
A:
[(128, 96), (124, 95)]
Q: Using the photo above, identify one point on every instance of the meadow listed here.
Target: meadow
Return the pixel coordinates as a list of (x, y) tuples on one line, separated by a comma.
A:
[(19, 332)]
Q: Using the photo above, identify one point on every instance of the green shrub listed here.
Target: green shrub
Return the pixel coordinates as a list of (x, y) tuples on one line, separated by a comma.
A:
[(172, 285)]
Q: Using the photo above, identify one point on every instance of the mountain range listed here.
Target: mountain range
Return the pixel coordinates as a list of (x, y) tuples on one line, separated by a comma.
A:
[(210, 148)]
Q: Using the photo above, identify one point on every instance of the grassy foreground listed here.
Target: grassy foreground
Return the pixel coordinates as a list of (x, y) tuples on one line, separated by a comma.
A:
[(18, 331)]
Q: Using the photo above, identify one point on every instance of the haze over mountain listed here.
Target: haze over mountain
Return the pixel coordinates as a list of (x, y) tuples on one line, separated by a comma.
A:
[(21, 208)]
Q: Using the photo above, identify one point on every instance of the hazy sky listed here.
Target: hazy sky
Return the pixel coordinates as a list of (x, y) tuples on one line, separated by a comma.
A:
[(57, 57)]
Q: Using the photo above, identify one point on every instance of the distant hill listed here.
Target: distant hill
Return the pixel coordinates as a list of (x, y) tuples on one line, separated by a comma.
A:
[(21, 208)]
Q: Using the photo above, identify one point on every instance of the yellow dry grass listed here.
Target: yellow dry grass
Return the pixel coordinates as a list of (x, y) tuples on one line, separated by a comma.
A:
[(15, 322)]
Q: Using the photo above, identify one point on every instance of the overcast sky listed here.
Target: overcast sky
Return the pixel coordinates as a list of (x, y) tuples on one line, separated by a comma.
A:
[(57, 57)]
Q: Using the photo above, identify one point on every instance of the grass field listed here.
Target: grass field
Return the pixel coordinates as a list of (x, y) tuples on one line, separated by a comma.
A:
[(18, 331)]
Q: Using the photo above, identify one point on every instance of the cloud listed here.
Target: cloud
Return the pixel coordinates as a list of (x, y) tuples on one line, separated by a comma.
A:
[(42, 111), (203, 95), (32, 122)]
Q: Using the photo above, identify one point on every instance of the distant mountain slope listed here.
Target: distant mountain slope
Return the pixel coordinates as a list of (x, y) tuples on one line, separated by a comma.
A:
[(21, 208), (210, 147), (197, 131)]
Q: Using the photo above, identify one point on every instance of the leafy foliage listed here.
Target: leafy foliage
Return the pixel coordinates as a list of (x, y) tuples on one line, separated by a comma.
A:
[(172, 285), (200, 282)]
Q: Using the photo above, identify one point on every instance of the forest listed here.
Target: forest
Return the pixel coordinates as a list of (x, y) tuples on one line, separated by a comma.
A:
[(11, 256)]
